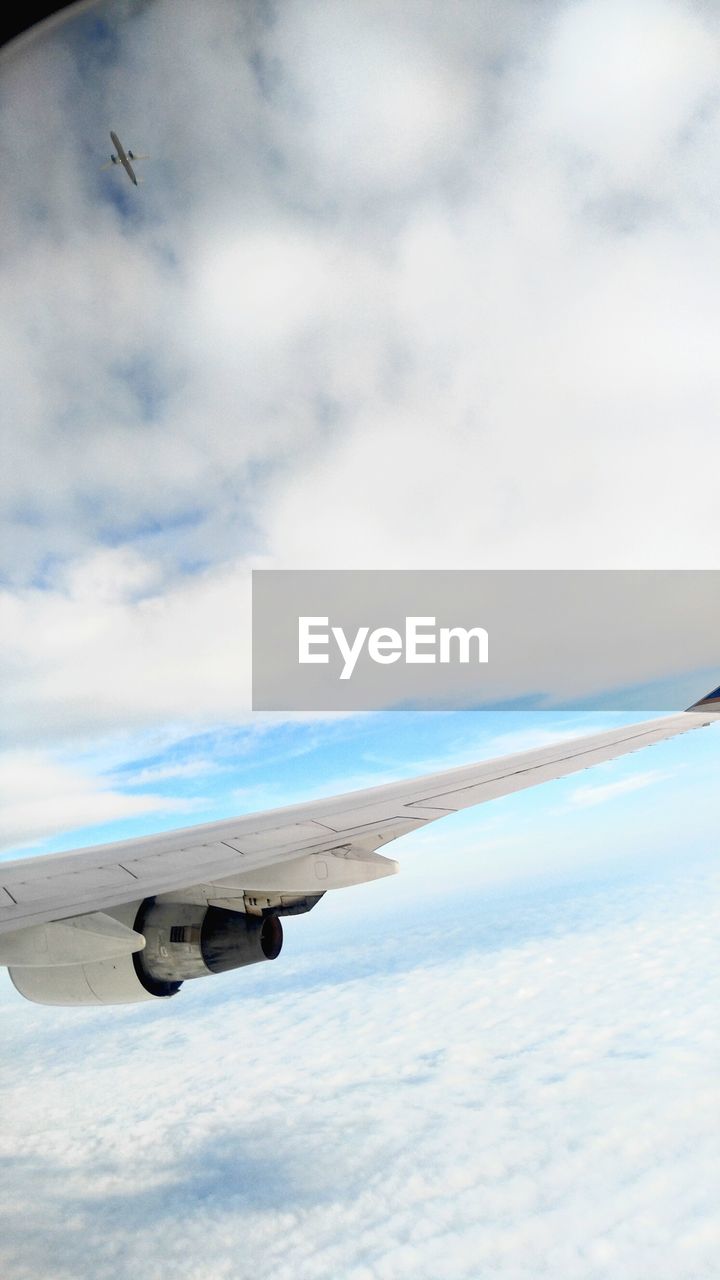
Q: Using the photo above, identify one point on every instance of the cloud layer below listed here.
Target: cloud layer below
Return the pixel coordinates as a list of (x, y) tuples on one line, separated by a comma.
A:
[(521, 1086)]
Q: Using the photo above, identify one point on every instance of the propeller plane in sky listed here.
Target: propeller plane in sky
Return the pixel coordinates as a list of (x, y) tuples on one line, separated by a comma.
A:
[(124, 158)]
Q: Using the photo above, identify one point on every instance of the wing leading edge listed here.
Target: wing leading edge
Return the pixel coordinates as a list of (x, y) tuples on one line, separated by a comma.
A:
[(269, 850)]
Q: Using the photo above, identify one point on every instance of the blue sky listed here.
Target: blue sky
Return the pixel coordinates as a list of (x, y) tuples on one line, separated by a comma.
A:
[(406, 286)]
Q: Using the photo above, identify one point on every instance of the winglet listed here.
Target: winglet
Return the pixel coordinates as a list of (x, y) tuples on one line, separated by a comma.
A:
[(711, 702)]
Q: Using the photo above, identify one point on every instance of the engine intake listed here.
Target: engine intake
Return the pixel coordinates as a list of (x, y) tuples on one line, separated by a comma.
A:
[(187, 941)]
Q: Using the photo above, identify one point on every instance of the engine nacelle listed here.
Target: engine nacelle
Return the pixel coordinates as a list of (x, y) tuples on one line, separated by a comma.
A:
[(130, 155), (187, 941), (99, 982), (182, 941), (114, 159)]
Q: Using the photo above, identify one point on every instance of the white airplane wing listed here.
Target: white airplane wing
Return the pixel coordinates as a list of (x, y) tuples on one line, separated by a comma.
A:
[(132, 920)]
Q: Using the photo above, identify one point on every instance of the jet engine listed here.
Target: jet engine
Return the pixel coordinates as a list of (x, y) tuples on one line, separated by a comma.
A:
[(182, 941), (114, 159), (185, 941), (130, 155)]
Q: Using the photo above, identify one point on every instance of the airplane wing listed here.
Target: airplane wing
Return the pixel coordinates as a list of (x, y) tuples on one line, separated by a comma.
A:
[(133, 919)]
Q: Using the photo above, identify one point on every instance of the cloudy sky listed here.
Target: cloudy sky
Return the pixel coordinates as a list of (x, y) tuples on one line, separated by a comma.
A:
[(405, 286)]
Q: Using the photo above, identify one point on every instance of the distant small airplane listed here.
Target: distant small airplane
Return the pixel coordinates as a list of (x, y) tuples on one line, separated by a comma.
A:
[(124, 157)]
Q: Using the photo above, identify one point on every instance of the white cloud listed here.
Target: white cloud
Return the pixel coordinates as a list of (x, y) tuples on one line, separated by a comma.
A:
[(43, 796), (623, 79), (106, 648), (521, 1088), (588, 796), (383, 105), (164, 772)]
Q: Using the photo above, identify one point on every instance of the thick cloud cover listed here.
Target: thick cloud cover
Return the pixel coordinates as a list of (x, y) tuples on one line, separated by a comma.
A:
[(521, 1085), (409, 285)]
